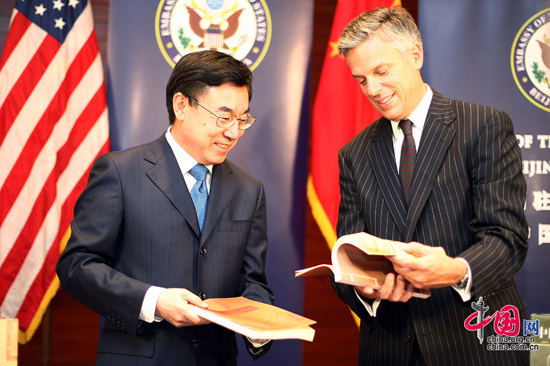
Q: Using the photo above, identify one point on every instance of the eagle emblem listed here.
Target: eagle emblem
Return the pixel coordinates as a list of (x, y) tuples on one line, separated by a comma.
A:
[(241, 28), (539, 74), (213, 34)]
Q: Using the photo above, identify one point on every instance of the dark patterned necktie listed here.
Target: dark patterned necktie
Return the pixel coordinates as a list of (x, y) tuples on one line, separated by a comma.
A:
[(199, 192), (408, 158)]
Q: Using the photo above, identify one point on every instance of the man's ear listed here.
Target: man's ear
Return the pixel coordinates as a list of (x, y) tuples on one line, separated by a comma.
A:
[(417, 55), (179, 103)]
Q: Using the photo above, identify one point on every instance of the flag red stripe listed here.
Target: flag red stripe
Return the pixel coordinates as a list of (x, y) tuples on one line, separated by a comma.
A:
[(83, 125), (18, 27), (26, 83), (15, 181), (48, 195), (47, 273)]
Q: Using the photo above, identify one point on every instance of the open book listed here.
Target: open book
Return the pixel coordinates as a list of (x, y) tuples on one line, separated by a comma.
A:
[(256, 320), (359, 259)]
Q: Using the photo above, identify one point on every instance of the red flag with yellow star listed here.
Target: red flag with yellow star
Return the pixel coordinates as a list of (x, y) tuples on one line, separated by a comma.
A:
[(340, 112)]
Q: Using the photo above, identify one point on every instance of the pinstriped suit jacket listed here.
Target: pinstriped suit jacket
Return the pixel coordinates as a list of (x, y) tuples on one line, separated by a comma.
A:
[(467, 196), (135, 226)]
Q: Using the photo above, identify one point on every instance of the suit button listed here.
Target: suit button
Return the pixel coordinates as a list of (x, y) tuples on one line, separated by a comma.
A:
[(118, 323), (202, 295), (196, 343), (408, 338), (203, 251)]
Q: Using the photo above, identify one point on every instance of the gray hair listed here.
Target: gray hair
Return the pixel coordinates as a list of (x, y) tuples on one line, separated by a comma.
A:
[(390, 24)]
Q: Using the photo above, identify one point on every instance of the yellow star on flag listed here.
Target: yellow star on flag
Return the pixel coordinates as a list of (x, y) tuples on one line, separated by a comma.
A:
[(334, 46)]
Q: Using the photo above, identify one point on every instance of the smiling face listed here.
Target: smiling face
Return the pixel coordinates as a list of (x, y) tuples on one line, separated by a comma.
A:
[(390, 80), (195, 129)]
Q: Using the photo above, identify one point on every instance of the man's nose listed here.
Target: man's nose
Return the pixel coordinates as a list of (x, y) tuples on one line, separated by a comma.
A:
[(373, 87), (232, 132)]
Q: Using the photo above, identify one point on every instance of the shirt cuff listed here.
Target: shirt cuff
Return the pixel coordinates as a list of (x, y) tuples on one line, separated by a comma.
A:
[(149, 305), (371, 309), (465, 292)]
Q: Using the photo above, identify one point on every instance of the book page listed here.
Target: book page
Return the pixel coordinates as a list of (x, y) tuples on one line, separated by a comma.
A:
[(368, 243), (355, 267), (256, 320), (359, 259), (314, 271)]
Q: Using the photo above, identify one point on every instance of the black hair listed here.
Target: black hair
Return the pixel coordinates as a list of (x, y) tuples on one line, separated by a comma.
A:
[(197, 71)]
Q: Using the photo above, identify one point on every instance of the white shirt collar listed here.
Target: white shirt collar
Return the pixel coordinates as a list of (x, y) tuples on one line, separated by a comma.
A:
[(419, 115), (185, 161)]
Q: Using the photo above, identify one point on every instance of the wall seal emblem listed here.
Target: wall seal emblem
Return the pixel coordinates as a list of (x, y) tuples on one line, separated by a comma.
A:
[(241, 28), (530, 59)]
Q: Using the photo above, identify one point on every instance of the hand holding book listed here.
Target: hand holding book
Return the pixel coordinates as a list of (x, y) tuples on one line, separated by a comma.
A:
[(256, 320), (428, 267), (395, 288), (361, 259)]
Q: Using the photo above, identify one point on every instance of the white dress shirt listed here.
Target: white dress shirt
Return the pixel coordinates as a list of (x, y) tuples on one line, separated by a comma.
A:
[(185, 162)]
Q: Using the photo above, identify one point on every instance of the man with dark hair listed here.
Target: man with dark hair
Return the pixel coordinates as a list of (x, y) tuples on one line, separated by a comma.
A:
[(443, 176), (172, 223)]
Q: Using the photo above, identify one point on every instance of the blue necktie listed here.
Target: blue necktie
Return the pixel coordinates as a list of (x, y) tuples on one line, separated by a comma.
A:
[(199, 192)]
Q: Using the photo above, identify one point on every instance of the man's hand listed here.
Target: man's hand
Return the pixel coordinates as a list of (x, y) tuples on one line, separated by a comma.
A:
[(395, 289), (427, 267), (173, 306)]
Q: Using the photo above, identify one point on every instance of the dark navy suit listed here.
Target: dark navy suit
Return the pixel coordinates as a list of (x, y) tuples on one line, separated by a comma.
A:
[(135, 226)]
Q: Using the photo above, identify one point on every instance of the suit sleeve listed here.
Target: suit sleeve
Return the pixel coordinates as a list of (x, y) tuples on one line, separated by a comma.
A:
[(253, 279), (85, 269), (350, 220), (499, 227)]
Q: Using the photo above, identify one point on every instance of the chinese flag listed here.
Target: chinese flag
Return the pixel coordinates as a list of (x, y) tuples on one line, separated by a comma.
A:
[(340, 112)]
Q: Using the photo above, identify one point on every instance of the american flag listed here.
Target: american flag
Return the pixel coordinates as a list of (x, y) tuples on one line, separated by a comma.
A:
[(53, 124)]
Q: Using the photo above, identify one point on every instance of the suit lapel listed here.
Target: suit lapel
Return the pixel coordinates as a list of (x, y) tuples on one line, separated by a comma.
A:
[(165, 173), (437, 136), (222, 190), (383, 160)]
